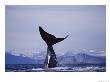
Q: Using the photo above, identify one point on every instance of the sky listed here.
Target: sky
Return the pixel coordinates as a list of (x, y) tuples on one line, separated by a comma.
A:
[(85, 25)]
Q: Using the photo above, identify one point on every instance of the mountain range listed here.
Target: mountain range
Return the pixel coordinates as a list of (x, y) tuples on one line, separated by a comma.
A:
[(65, 59)]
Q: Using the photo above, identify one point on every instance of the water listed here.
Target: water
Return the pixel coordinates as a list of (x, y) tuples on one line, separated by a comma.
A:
[(39, 68)]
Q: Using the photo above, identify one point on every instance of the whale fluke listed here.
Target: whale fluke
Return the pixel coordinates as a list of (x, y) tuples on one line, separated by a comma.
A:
[(50, 40)]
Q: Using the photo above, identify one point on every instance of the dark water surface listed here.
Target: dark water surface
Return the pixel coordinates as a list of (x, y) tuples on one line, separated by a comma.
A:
[(39, 68)]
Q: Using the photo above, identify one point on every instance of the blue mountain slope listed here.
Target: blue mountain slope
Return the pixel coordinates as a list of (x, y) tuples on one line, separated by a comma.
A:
[(12, 59), (80, 58)]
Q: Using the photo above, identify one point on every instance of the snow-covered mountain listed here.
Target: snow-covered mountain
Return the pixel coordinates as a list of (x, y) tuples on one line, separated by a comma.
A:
[(67, 58), (17, 59), (81, 58), (39, 55)]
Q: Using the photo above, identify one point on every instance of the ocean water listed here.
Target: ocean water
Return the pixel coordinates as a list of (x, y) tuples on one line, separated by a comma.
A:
[(39, 68)]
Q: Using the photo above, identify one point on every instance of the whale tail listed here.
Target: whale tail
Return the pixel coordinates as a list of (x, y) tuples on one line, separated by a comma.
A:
[(49, 38), (60, 39)]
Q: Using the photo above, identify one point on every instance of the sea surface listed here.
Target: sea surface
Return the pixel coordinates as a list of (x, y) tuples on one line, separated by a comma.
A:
[(39, 68)]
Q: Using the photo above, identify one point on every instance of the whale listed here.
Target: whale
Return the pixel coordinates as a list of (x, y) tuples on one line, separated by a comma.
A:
[(50, 40)]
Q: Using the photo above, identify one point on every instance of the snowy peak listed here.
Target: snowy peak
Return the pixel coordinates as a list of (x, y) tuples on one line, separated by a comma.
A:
[(81, 58), (67, 58), (39, 55)]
